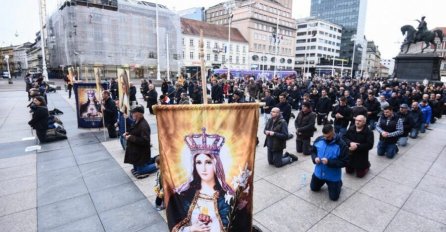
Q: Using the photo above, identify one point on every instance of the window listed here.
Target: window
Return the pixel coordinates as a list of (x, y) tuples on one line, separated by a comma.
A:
[(244, 60), (208, 57), (255, 57), (215, 45), (215, 57), (183, 42), (191, 55), (237, 48), (208, 44), (244, 49), (230, 59), (191, 42), (237, 60), (223, 58)]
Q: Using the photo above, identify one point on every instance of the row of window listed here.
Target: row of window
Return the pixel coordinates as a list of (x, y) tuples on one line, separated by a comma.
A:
[(322, 25), (268, 28), (282, 41), (314, 55), (273, 59), (193, 56), (321, 48), (273, 10), (271, 49), (314, 33), (215, 45), (272, 20)]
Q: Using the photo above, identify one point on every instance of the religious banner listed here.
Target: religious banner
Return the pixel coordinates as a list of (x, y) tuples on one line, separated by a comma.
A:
[(207, 165), (123, 89), (88, 105)]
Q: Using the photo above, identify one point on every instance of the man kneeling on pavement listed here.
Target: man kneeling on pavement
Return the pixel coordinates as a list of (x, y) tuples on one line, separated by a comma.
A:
[(330, 154), (138, 145)]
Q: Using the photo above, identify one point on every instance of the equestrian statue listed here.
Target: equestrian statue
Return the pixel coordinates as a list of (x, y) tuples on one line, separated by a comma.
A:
[(414, 36)]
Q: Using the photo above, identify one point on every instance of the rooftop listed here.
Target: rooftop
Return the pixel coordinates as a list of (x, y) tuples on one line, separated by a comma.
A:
[(192, 27)]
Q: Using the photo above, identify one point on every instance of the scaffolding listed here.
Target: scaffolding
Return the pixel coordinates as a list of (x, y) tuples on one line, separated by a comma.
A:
[(87, 35)]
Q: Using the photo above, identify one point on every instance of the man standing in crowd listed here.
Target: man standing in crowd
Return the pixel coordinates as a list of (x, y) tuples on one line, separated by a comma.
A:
[(359, 109), (138, 145), (330, 155), (285, 107), (373, 109), (217, 93), (114, 89), (151, 97), (390, 127), (323, 108), (304, 124), (417, 118), (427, 114), (276, 131), (342, 114), (407, 124), (269, 102), (110, 113), (359, 139)]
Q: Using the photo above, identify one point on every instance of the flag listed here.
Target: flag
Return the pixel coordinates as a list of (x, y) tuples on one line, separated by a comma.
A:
[(198, 143), (123, 89)]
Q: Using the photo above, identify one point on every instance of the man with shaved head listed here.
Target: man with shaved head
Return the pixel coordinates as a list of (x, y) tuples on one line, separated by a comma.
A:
[(359, 139)]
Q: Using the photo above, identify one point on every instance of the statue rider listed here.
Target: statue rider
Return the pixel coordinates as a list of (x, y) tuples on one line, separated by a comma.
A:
[(422, 27)]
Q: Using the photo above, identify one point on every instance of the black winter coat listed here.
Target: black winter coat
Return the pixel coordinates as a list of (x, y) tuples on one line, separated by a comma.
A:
[(359, 158), (374, 107), (138, 144), (110, 112), (408, 123), (152, 97), (39, 119), (324, 105), (346, 112), (285, 109), (304, 124), (417, 118), (277, 142)]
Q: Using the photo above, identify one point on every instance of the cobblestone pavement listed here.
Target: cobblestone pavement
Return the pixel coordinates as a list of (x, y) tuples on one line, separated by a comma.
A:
[(81, 184)]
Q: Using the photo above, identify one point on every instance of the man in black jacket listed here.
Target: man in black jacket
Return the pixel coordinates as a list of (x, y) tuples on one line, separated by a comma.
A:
[(359, 139), (373, 109), (151, 97), (110, 113), (390, 128), (285, 107), (138, 150), (417, 118), (276, 131), (304, 124), (216, 92), (114, 89), (323, 108), (342, 114), (408, 124)]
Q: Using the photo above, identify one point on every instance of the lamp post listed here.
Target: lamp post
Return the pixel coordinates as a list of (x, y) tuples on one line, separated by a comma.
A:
[(9, 71), (42, 41), (353, 54), (276, 43), (228, 7), (158, 74)]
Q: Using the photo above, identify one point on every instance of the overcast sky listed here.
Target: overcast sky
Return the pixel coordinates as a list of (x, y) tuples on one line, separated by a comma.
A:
[(384, 18)]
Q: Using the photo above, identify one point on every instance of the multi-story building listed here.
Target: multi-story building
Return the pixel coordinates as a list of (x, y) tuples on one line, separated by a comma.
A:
[(215, 43), (350, 14), (384, 71), (7, 51), (20, 56), (373, 61), (196, 13), (389, 63), (115, 33), (317, 46), (258, 21)]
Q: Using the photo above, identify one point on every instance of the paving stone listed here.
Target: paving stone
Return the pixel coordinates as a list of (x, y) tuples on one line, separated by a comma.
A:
[(437, 170), (18, 161), (387, 191), (266, 194), (64, 212), (366, 212), (79, 150), (81, 142), (434, 185), (427, 205), (332, 223), (258, 224), (117, 196), (58, 177), (55, 154), (17, 202), (290, 214), (290, 179), (321, 199), (132, 217), (406, 221), (355, 183), (419, 165), (17, 185), (106, 180), (56, 164), (402, 175), (54, 146), (263, 169), (59, 191), (90, 224), (98, 167), (16, 148), (158, 226), (25, 221), (92, 157)]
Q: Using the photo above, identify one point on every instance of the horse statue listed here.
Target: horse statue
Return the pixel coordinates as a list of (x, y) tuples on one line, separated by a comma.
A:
[(427, 37)]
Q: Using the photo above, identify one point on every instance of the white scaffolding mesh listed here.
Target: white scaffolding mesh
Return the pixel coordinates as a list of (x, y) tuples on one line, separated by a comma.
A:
[(81, 35)]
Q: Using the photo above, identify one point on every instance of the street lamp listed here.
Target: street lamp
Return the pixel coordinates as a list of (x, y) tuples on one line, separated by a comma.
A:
[(9, 72), (353, 53), (228, 7)]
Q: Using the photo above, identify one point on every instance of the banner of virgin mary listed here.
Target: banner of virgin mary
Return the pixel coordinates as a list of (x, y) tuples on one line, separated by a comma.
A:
[(207, 165)]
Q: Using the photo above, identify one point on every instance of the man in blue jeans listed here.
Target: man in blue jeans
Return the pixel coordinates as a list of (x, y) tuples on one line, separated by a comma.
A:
[(390, 127), (330, 154)]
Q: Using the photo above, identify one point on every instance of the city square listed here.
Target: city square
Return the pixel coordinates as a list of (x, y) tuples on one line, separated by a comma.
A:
[(327, 131)]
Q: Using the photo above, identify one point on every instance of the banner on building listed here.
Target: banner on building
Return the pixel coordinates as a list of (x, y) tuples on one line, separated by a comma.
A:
[(123, 89), (88, 105), (207, 165)]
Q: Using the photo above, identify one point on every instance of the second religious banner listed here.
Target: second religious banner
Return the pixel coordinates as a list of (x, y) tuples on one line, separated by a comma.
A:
[(207, 165), (88, 105)]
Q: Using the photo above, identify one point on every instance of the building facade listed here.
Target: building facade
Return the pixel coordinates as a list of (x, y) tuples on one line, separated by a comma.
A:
[(215, 46), (196, 13), (20, 56), (350, 14), (86, 35), (258, 21), (373, 61), (318, 45), (389, 63)]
